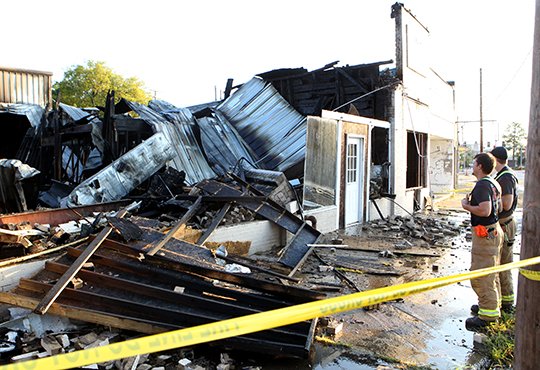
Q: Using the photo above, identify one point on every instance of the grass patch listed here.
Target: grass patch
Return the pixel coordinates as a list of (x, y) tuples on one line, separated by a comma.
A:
[(500, 340)]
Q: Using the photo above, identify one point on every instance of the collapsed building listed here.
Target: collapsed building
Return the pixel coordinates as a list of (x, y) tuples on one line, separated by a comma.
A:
[(304, 152)]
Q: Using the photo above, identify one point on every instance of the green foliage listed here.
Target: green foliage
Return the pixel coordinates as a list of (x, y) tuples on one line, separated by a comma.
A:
[(466, 157), (515, 137), (500, 341), (87, 86)]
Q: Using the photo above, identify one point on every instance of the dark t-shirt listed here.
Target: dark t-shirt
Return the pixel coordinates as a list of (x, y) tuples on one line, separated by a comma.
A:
[(483, 191), (508, 183)]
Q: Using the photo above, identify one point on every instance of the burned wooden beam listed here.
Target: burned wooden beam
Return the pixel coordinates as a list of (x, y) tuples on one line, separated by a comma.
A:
[(171, 257), (86, 314), (132, 266), (179, 225), (134, 300), (61, 284), (54, 217)]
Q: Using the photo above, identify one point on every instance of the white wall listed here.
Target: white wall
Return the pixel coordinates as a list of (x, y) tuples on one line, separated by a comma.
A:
[(264, 235), (327, 218), (425, 104)]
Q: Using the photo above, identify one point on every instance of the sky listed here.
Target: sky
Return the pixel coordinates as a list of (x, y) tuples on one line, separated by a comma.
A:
[(184, 51)]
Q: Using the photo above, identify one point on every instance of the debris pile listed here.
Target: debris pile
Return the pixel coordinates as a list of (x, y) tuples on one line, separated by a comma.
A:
[(18, 346), (435, 231)]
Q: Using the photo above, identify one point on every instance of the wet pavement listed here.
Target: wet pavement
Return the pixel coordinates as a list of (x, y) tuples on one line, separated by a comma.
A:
[(425, 330)]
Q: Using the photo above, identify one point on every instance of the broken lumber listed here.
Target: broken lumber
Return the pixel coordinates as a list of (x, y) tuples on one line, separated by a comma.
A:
[(12, 261), (64, 280), (180, 224)]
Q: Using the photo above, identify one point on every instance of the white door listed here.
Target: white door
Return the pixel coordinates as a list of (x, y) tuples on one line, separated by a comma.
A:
[(354, 180)]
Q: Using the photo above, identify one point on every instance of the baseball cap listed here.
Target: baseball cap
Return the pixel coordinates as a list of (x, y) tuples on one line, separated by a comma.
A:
[(500, 152)]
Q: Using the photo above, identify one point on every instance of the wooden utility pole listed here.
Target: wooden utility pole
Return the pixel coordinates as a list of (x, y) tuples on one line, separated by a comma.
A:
[(527, 349), (481, 117)]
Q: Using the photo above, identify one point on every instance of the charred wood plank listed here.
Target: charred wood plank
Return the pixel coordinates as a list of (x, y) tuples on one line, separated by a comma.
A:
[(185, 298), (180, 224), (200, 303), (173, 260), (193, 285), (397, 253), (54, 217), (51, 295), (168, 314), (301, 262), (67, 309), (215, 222), (356, 82)]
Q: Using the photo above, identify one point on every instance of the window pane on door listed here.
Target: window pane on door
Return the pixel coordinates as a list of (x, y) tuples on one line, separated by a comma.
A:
[(352, 162)]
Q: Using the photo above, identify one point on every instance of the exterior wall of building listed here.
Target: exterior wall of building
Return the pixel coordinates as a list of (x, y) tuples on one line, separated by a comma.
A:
[(25, 86), (324, 135), (423, 104)]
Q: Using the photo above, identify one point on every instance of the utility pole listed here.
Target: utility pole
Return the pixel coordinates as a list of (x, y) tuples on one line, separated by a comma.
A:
[(481, 117), (527, 346)]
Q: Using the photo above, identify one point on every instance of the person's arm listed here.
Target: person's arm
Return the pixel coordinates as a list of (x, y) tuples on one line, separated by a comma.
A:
[(507, 201), (483, 209)]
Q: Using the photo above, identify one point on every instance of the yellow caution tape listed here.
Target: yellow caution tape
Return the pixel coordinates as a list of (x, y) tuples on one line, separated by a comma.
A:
[(251, 323), (530, 274)]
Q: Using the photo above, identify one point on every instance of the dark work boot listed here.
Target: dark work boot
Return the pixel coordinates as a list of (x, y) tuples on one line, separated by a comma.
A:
[(475, 323), (508, 307), (475, 309)]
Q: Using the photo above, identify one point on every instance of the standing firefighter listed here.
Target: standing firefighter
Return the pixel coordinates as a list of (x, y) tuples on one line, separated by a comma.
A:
[(508, 181), (483, 203)]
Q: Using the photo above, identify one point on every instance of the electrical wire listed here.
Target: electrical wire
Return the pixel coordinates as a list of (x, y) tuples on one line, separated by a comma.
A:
[(367, 94), (414, 131)]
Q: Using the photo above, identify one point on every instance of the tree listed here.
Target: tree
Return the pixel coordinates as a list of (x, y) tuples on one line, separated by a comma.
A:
[(87, 86), (515, 137), (466, 156)]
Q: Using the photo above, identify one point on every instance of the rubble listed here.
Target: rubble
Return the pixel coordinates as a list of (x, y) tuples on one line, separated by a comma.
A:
[(437, 232)]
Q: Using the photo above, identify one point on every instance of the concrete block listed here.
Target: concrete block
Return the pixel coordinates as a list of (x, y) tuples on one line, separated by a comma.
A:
[(51, 345)]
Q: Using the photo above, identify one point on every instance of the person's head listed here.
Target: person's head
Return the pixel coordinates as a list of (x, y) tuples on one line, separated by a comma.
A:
[(500, 154), (483, 164)]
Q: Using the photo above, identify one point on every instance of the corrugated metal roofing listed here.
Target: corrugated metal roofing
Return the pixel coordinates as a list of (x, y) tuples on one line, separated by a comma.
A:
[(77, 114), (223, 146), (178, 127), (33, 112), (161, 105), (268, 124)]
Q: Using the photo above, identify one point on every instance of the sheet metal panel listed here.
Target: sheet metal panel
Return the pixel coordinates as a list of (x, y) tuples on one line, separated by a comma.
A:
[(179, 128), (25, 86), (271, 127), (33, 112), (77, 114), (223, 146), (123, 175)]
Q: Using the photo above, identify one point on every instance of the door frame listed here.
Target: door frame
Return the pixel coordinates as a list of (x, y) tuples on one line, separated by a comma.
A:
[(361, 167)]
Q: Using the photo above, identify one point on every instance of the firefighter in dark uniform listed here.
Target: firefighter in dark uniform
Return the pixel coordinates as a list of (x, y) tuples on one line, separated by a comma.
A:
[(487, 237), (508, 181)]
